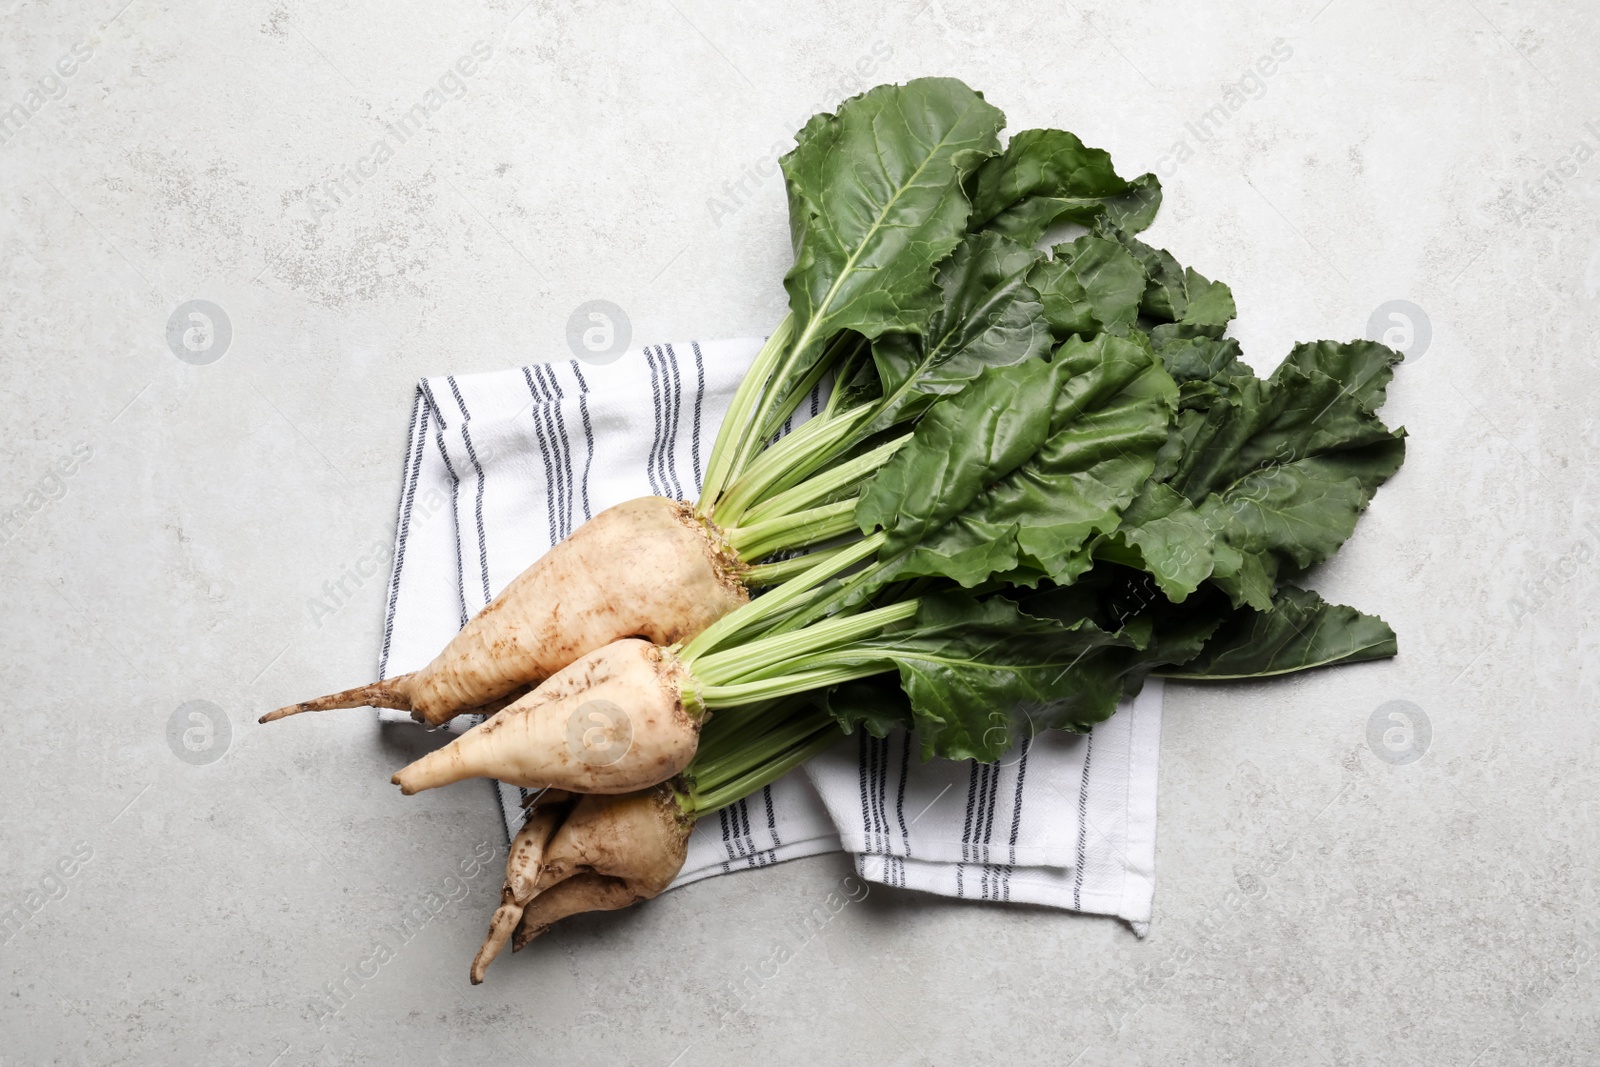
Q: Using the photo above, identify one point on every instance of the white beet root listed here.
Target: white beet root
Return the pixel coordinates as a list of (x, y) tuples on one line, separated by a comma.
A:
[(580, 893), (614, 721), (611, 852), (523, 865), (647, 568)]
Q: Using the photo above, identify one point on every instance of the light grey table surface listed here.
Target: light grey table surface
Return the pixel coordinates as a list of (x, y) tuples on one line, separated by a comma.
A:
[(1318, 901)]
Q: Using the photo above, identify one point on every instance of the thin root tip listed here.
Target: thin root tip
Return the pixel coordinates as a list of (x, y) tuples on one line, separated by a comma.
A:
[(501, 927), (390, 693), (480, 962)]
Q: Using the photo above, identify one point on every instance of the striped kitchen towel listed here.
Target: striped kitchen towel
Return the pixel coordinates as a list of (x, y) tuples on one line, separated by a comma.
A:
[(501, 466)]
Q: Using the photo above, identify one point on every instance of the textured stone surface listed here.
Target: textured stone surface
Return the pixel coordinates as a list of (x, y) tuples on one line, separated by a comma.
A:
[(1316, 903)]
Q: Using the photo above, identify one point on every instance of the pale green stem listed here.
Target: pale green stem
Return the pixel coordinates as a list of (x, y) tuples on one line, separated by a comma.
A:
[(817, 609), (779, 571), (724, 668), (793, 531), (766, 773), (725, 696), (813, 490), (817, 438), (751, 440), (803, 387), (780, 599), (737, 424), (756, 747)]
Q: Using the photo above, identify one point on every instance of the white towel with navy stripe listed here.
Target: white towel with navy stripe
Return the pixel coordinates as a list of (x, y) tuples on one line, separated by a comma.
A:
[(500, 466)]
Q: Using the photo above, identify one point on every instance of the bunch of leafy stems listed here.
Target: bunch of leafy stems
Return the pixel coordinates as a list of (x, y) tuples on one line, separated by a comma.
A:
[(779, 498), (756, 665)]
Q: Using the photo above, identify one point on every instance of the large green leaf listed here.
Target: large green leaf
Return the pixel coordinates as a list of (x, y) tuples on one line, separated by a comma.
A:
[(1092, 285), (964, 443), (1024, 468), (875, 202), (875, 704), (1295, 415), (1053, 507), (1362, 368), (1162, 534), (1267, 474), (1295, 514), (989, 315), (1046, 177), (1280, 470), (1174, 293), (1194, 353), (1301, 631), (982, 674)]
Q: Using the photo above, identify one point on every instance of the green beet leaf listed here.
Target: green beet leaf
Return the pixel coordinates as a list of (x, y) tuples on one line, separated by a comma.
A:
[(1093, 285), (1162, 534), (1268, 474), (1197, 354), (875, 203), (1024, 468), (1174, 293), (962, 445), (1362, 368), (980, 675), (989, 315), (875, 704), (1046, 177), (1295, 513), (1299, 632)]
